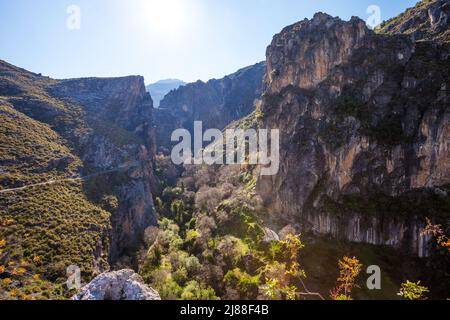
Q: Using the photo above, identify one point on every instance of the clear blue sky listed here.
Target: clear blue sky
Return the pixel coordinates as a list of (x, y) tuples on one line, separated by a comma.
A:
[(185, 39)]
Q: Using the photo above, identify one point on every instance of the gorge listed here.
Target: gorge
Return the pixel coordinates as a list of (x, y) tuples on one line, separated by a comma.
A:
[(364, 122)]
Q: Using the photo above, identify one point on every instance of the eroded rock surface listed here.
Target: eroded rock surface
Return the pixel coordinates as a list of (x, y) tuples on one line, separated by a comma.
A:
[(118, 285)]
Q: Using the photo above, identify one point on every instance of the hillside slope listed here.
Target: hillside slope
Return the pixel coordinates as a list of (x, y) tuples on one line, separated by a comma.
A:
[(93, 141), (428, 20)]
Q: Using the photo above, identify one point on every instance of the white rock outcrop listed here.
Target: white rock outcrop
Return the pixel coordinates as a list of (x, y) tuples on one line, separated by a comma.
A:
[(117, 285)]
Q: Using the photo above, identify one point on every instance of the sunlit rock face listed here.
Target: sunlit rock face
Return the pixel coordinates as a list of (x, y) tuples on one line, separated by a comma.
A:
[(116, 286), (360, 114), (303, 54)]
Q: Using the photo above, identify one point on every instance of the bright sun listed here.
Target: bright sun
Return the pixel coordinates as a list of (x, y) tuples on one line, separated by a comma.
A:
[(166, 16)]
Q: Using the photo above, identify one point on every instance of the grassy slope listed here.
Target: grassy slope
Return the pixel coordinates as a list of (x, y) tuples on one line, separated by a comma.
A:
[(27, 150), (47, 228), (51, 228), (422, 30)]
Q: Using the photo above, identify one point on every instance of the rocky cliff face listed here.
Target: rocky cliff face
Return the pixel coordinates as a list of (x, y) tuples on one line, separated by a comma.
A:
[(216, 103), (120, 113), (428, 20), (364, 119)]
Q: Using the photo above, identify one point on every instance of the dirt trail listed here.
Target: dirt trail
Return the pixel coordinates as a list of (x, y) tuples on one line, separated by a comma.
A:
[(85, 178)]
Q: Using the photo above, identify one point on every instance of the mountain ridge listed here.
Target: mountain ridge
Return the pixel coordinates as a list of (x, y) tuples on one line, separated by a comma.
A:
[(57, 130), (428, 20), (216, 102)]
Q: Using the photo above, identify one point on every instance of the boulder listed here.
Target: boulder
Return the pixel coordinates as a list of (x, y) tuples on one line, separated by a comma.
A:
[(117, 285), (270, 235)]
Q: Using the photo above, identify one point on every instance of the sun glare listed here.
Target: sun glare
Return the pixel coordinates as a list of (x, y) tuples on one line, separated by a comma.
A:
[(166, 16)]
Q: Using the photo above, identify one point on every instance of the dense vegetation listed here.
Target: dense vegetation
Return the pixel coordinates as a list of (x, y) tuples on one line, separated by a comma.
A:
[(44, 228), (212, 243)]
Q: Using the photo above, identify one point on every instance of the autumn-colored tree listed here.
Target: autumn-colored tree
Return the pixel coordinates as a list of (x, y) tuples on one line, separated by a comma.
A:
[(284, 276), (436, 230), (349, 270), (413, 291)]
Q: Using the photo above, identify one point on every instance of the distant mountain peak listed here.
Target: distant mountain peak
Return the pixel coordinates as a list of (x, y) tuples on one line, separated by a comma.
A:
[(159, 89)]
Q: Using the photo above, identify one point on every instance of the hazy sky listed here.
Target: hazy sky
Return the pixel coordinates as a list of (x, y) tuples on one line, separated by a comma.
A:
[(159, 39)]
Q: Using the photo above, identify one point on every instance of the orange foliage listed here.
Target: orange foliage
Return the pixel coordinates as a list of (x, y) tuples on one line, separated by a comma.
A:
[(349, 270)]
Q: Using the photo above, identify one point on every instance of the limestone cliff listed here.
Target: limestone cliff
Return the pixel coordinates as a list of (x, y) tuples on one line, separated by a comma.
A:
[(365, 123), (120, 113)]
